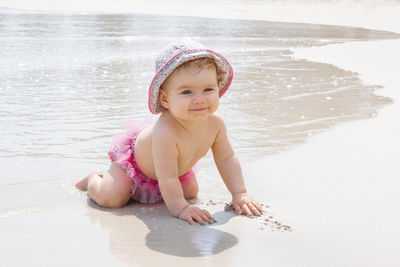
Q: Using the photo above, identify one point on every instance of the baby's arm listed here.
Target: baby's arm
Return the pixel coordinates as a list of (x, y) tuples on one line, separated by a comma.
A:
[(229, 167), (165, 154)]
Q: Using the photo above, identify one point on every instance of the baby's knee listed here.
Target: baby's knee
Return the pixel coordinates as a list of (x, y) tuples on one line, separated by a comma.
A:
[(191, 194), (191, 190), (111, 191), (113, 203), (113, 199)]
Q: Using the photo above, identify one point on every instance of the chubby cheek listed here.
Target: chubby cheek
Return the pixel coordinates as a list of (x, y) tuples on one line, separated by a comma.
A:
[(180, 105), (215, 104)]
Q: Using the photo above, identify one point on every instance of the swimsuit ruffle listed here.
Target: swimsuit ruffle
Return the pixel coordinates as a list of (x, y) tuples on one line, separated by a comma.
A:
[(145, 189)]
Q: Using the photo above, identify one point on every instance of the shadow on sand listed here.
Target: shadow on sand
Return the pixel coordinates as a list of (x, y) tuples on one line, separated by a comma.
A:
[(167, 234)]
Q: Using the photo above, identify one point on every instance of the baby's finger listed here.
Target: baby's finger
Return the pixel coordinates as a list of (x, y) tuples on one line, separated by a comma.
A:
[(190, 220), (246, 209), (257, 205), (198, 219), (237, 208), (207, 214), (253, 208)]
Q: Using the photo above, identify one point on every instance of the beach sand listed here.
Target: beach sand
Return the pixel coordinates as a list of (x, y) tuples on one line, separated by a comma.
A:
[(338, 192)]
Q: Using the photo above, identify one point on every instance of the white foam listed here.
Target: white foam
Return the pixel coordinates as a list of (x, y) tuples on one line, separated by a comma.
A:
[(371, 14)]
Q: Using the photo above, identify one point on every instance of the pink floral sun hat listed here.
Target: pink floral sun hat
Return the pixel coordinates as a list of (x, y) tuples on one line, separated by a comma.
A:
[(175, 55)]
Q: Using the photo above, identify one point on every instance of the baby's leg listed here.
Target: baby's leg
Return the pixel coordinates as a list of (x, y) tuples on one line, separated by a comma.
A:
[(82, 184), (190, 187), (110, 190)]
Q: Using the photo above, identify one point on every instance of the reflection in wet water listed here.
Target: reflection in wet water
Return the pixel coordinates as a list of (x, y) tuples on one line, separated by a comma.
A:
[(289, 100), (69, 81)]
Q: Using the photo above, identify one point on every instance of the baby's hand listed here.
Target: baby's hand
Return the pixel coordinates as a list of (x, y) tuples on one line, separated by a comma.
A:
[(193, 213), (243, 202)]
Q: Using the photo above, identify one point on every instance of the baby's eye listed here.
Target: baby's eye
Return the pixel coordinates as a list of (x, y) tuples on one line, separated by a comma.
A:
[(186, 92), (208, 89)]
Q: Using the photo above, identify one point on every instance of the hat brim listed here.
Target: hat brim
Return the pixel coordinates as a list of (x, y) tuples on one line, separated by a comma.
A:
[(224, 72)]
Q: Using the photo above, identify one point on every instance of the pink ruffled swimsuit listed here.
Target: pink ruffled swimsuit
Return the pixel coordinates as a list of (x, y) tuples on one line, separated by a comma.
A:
[(145, 189)]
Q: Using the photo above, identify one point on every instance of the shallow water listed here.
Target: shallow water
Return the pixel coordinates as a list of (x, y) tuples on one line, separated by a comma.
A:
[(69, 81)]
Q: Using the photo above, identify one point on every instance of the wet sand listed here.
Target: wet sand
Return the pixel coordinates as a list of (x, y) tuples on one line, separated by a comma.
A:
[(337, 192), (340, 187)]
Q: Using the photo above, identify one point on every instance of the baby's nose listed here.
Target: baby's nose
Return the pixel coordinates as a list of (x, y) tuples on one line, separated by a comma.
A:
[(199, 98)]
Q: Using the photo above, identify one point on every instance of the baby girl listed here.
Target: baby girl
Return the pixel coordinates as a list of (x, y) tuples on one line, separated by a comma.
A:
[(153, 163)]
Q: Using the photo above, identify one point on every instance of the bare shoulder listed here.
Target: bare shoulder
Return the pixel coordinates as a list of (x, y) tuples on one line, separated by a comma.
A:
[(218, 123), (164, 127)]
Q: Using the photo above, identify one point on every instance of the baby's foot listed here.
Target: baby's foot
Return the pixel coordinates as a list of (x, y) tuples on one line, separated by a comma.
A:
[(83, 184)]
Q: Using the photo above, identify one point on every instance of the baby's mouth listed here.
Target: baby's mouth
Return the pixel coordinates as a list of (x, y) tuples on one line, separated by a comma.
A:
[(198, 109)]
